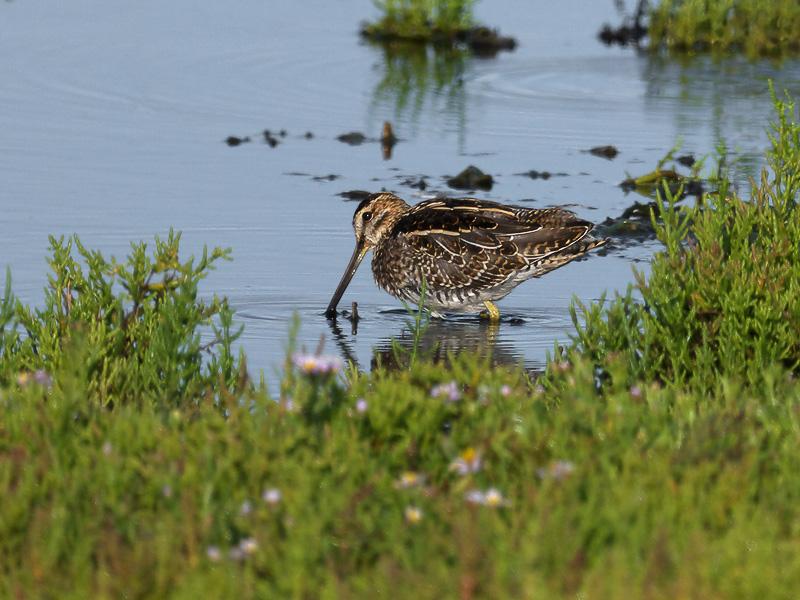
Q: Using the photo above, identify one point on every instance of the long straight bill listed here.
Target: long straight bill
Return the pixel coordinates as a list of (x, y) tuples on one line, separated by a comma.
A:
[(352, 266)]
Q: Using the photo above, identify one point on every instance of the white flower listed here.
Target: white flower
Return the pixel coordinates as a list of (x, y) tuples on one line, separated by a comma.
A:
[(469, 461), (491, 497), (410, 479), (271, 496), (248, 546), (413, 515)]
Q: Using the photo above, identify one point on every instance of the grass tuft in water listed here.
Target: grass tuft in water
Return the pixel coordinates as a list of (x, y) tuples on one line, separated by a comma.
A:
[(754, 27), (445, 23)]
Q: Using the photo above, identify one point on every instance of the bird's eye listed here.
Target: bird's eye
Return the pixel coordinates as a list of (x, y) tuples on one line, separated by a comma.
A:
[(366, 216)]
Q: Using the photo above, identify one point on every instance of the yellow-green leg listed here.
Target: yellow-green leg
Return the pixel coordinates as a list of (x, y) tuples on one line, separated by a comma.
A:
[(492, 312)]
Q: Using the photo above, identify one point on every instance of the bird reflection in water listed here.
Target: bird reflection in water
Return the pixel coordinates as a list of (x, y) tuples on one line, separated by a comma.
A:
[(438, 341)]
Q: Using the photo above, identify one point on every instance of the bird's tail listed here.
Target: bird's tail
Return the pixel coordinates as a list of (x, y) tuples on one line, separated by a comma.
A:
[(568, 254)]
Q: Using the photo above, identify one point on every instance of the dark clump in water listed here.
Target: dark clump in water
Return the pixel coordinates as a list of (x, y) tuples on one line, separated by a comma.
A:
[(630, 32), (534, 174), (609, 152), (687, 160), (354, 138), (471, 178), (486, 42), (233, 140), (634, 225), (330, 177), (416, 183), (270, 139), (357, 195)]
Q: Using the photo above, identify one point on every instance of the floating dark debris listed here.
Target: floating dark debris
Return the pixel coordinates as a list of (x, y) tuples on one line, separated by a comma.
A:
[(270, 139), (633, 225), (471, 178), (486, 42), (687, 160), (330, 177), (631, 31), (308, 135), (609, 152), (416, 183), (232, 140), (354, 138), (534, 174), (623, 35), (356, 195)]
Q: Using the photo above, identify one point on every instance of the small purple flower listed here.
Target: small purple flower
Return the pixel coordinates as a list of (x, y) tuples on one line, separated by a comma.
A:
[(39, 377), (42, 378), (505, 390), (166, 491), (317, 364), (271, 496), (636, 392), (557, 470), (246, 508), (361, 406), (449, 391), (213, 553)]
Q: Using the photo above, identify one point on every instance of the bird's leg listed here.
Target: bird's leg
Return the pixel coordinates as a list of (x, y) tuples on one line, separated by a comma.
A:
[(492, 312)]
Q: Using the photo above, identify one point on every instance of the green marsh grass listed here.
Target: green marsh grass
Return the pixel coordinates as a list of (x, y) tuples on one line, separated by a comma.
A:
[(755, 27), (656, 457), (421, 20)]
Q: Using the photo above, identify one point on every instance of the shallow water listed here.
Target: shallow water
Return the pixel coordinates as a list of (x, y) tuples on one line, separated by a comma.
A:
[(113, 118)]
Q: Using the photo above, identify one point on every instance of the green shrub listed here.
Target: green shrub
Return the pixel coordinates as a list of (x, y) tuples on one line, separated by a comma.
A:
[(723, 298), (139, 324)]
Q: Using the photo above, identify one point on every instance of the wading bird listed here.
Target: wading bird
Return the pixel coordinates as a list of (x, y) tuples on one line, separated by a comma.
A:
[(466, 253)]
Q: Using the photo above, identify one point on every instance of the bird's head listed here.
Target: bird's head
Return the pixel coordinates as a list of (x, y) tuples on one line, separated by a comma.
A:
[(372, 222)]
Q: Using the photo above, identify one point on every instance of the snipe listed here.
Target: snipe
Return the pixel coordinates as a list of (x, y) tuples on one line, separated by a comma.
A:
[(469, 253)]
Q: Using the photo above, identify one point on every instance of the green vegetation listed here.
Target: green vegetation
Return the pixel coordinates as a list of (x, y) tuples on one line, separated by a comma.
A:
[(669, 177), (755, 27), (445, 23), (422, 19), (656, 457)]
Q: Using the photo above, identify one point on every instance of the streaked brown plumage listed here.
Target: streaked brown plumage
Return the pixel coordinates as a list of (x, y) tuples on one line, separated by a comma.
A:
[(469, 252)]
